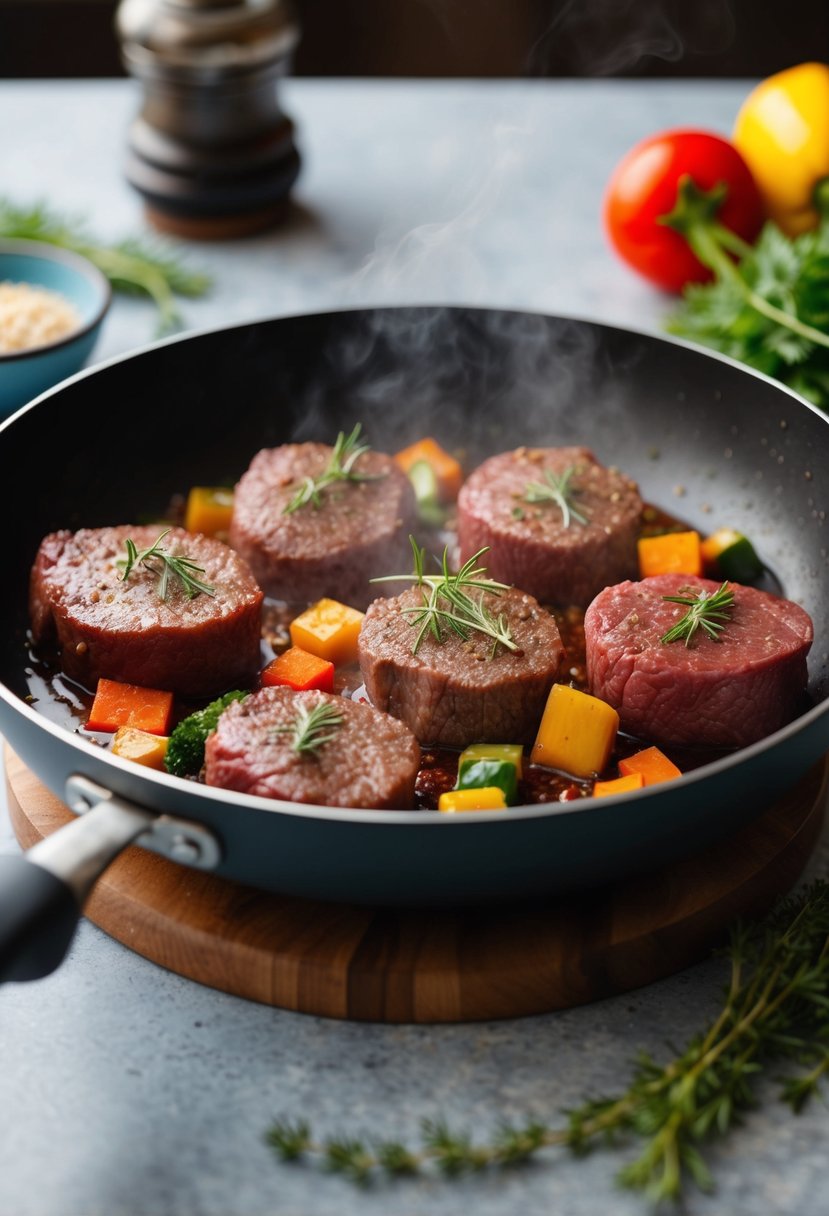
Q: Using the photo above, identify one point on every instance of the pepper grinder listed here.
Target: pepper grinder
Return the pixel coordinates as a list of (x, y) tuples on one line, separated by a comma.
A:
[(211, 152)]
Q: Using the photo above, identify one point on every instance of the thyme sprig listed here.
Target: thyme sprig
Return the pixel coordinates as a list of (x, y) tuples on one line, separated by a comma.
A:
[(709, 610), (449, 602), (556, 488), (346, 452), (166, 565), (774, 1009), (311, 728)]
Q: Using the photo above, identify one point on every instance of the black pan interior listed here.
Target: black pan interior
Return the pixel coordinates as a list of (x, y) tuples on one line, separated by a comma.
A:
[(707, 441)]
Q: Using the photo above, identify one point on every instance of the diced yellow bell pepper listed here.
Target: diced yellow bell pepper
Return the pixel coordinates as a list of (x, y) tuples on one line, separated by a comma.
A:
[(329, 630), (209, 510), (142, 748), (509, 753), (621, 785), (447, 470), (577, 732), (673, 553), (488, 798)]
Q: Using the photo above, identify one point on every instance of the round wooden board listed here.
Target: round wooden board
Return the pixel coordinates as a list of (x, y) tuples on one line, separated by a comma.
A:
[(453, 965)]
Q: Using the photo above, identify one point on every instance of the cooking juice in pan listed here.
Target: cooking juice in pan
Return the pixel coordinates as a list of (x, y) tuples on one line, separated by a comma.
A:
[(69, 702)]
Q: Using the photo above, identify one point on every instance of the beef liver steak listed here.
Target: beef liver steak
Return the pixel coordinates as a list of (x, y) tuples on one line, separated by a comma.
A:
[(358, 530), (371, 761), (725, 693), (456, 692), (123, 630), (530, 544)]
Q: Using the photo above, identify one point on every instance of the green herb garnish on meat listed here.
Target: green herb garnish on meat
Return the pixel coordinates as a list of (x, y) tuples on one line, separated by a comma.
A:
[(556, 488), (311, 728), (345, 454), (710, 611), (185, 751), (132, 266), (166, 565)]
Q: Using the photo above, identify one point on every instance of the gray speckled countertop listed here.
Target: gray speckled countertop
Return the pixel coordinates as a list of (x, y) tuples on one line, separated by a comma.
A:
[(127, 1091)]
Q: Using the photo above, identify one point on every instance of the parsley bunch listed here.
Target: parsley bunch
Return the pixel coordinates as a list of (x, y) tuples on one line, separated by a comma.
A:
[(770, 307)]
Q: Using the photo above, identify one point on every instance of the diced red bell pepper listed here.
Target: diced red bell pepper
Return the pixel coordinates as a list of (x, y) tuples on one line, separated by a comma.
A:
[(118, 704), (298, 669)]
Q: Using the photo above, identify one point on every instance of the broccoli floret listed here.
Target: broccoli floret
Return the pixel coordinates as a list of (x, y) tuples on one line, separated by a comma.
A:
[(185, 751)]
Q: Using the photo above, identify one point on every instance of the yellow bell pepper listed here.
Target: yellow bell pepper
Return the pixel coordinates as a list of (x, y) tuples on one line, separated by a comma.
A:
[(209, 510), (488, 798), (782, 132), (329, 630), (140, 747), (577, 732)]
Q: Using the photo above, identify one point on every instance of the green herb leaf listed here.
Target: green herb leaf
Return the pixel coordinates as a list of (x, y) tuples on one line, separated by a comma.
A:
[(346, 452), (710, 611), (450, 602), (556, 488), (166, 565), (311, 728)]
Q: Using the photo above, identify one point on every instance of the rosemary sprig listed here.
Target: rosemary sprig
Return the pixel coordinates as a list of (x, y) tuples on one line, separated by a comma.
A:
[(165, 565), (556, 488), (130, 265), (311, 728), (710, 611), (450, 602), (775, 1008), (346, 452)]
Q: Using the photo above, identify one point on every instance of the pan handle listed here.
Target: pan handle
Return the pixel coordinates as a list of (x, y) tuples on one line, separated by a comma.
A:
[(43, 891)]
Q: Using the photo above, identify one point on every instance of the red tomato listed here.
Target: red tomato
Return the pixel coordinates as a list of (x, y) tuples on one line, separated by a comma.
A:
[(644, 186)]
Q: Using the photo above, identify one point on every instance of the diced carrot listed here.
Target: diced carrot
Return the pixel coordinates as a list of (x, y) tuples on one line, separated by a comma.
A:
[(329, 630), (577, 732), (652, 764), (487, 798), (673, 553), (446, 468), (209, 510), (140, 747), (298, 669), (118, 704), (620, 785)]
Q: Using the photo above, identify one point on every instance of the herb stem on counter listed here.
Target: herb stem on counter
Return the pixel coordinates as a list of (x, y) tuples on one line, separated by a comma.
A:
[(130, 265), (774, 1009)]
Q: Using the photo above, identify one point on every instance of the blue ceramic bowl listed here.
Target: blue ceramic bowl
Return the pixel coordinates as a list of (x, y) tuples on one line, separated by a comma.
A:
[(27, 373)]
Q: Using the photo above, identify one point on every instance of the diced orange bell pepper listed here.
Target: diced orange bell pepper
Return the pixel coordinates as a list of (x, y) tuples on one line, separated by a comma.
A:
[(673, 553), (329, 630), (620, 785), (140, 747), (209, 510), (652, 765), (446, 468), (118, 704), (577, 732), (298, 669), (487, 798)]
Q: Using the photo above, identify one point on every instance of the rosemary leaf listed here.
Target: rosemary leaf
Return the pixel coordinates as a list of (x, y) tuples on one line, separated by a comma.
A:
[(311, 728), (346, 452), (710, 611), (556, 488), (166, 565)]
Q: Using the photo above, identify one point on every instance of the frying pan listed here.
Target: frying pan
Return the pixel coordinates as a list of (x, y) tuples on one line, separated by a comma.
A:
[(707, 439)]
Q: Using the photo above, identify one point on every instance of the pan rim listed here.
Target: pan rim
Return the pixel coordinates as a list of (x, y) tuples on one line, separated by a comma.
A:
[(423, 818)]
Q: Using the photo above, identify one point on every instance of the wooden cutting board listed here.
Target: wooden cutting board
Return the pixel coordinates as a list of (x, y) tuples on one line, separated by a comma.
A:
[(438, 966)]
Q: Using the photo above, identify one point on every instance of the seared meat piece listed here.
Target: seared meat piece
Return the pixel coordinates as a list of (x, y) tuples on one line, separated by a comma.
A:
[(123, 630), (457, 692), (531, 544), (724, 693), (370, 761), (358, 530)]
